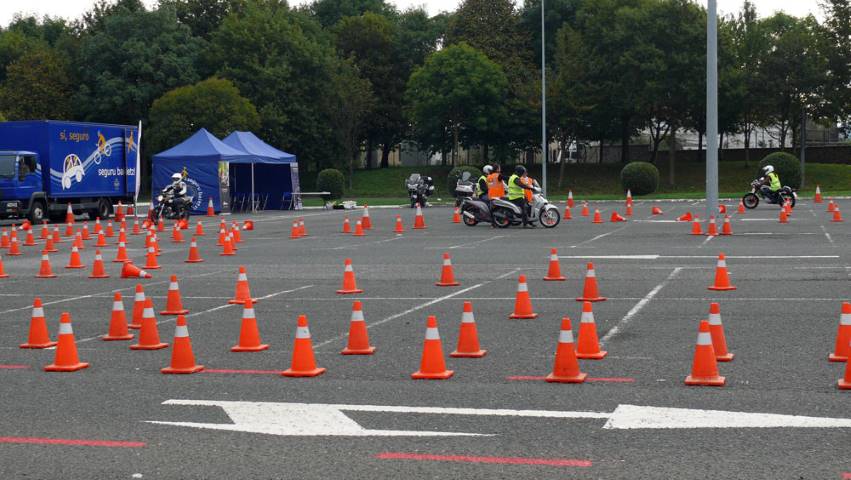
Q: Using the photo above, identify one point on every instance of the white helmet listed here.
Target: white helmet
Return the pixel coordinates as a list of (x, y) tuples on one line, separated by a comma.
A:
[(768, 169), (177, 177), (487, 169)]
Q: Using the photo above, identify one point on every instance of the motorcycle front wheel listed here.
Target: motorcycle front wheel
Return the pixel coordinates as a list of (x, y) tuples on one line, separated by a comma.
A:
[(750, 201), (501, 218), (549, 218)]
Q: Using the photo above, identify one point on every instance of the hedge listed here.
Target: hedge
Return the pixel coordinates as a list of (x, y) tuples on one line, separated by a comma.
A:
[(641, 178)]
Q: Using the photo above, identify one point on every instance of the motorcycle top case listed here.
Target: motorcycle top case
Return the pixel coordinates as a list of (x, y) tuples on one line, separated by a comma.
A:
[(78, 159)]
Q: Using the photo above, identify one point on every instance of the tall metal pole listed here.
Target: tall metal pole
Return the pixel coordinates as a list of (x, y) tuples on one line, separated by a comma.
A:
[(544, 147), (712, 110)]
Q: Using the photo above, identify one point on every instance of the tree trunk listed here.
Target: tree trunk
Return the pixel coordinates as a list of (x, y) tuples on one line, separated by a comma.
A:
[(385, 155), (601, 152), (369, 152), (747, 144), (700, 146), (721, 146), (563, 162), (455, 146), (672, 155)]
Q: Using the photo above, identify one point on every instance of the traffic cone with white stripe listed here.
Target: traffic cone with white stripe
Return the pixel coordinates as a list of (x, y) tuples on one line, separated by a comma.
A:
[(98, 270), (358, 343), (97, 228), (447, 275), (132, 271), (419, 219), (227, 248), (554, 270), (716, 328), (78, 242), (727, 228), (45, 231), (686, 217), (722, 277), (243, 290), (704, 369), (136, 228), (842, 350), (358, 229), (468, 337), (712, 228), (570, 198), (695, 227), (182, 358), (30, 239), (211, 211), (69, 214), (741, 209), (585, 210), (817, 198), (656, 211), (302, 229), (456, 216), (347, 225), (249, 334), (522, 302), (784, 217), (236, 232), (176, 235), (161, 224), (110, 230), (628, 197), (617, 218), (194, 256), (49, 246), (151, 259), (597, 217), (199, 229), (3, 273), (567, 215), (174, 304), (38, 336), (722, 209), (117, 322), (629, 210), (138, 307), (69, 229), (74, 261), (837, 215), (303, 362), (294, 231), (588, 345), (590, 291), (565, 365), (121, 254), (57, 237), (365, 220), (432, 363), (399, 227), (349, 283), (66, 359), (14, 248), (44, 270), (119, 211), (4, 239), (149, 335), (122, 234)]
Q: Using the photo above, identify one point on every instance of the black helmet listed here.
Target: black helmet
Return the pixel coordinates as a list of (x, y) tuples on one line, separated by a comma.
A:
[(519, 170)]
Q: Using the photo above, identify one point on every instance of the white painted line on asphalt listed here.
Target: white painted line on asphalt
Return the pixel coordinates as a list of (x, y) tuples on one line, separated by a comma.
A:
[(656, 256), (829, 238), (464, 245), (612, 257), (638, 306), (352, 247), (708, 239), (603, 235)]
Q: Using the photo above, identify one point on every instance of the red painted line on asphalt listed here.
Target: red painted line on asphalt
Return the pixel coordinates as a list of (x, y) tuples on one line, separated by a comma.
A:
[(589, 379), (553, 462), (14, 367), (244, 372), (846, 475), (65, 441)]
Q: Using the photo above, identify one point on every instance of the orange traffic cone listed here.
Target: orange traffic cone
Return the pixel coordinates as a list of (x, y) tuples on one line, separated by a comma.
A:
[(741, 208), (211, 211), (194, 256), (136, 228), (432, 363), (74, 261), (629, 210), (566, 366), (248, 225), (628, 196), (842, 350), (704, 369), (727, 228), (787, 207), (119, 212), (399, 227), (97, 229), (243, 290), (161, 224), (84, 232), (302, 230), (3, 273), (4, 239), (69, 229), (845, 382), (110, 231), (132, 271), (138, 307), (45, 271), (656, 211), (149, 335), (249, 334), (722, 279), (358, 229), (712, 228), (570, 198), (199, 229), (686, 217), (122, 235), (78, 242), (303, 363), (173, 305), (837, 215), (784, 217), (554, 270), (831, 206), (567, 215), (588, 346), (349, 283), (151, 259), (176, 235), (131, 210), (295, 232), (447, 275), (818, 198), (227, 248), (117, 322), (616, 217), (347, 226), (121, 254), (585, 211), (365, 220), (590, 291), (182, 358), (45, 231), (695, 227), (30, 239), (14, 248), (722, 209), (66, 359), (522, 301), (597, 217), (98, 270), (358, 343), (419, 219), (38, 336), (236, 232), (456, 216), (716, 329), (69, 214), (468, 337), (49, 246)]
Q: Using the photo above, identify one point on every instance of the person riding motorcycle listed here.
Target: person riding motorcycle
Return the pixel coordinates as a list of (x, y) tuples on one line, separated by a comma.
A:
[(496, 188), (517, 187), (482, 183), (178, 186), (771, 183)]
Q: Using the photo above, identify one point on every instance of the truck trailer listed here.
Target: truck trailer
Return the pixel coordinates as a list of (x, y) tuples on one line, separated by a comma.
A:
[(47, 165)]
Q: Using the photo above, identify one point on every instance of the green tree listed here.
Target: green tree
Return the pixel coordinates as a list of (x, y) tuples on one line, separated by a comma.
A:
[(203, 17), (349, 108), (37, 87), (329, 12), (837, 38), (751, 46), (14, 44), (456, 98), (214, 104), (557, 14)]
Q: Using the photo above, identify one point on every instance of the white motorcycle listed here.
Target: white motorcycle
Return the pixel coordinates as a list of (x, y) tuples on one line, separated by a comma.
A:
[(505, 213)]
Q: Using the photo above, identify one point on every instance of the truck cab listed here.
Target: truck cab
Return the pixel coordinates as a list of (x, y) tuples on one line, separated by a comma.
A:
[(21, 185)]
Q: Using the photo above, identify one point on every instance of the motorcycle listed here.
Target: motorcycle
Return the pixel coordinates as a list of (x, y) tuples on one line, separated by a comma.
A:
[(170, 207), (752, 198), (464, 189), (505, 213), (419, 189), (475, 211)]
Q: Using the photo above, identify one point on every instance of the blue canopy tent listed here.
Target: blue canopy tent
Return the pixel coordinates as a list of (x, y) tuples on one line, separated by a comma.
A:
[(270, 174), (200, 155)]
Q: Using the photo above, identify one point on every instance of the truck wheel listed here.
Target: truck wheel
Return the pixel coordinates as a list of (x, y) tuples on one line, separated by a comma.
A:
[(37, 212), (104, 208)]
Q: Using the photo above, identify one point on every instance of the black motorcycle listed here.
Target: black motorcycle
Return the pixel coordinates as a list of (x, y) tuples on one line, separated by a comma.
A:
[(752, 198), (170, 206), (419, 189)]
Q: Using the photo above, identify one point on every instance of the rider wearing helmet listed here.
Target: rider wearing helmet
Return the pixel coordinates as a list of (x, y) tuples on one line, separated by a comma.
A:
[(771, 183), (482, 183), (517, 193), (178, 185)]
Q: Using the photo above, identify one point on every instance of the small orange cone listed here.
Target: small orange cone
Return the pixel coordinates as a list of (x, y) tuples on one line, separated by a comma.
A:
[(784, 217), (629, 210), (3, 273), (97, 229), (432, 363), (236, 232), (149, 335), (45, 271), (588, 346), (716, 329), (358, 343), (566, 366), (131, 210), (365, 220), (211, 211), (136, 228), (818, 198), (590, 291), (119, 212), (30, 239), (419, 219), (14, 248), (842, 350), (727, 228), (176, 235), (567, 215), (227, 248), (243, 290), (656, 211), (358, 229), (161, 224), (138, 307), (570, 199), (554, 270), (194, 256), (302, 230), (712, 228), (182, 358), (522, 301), (151, 259), (704, 369), (38, 336), (616, 218), (295, 232), (248, 225), (45, 231), (787, 207), (49, 246), (695, 227), (686, 217), (69, 214), (132, 271), (722, 209), (121, 254), (399, 227), (98, 270), (69, 229), (347, 225), (303, 363), (456, 216), (628, 197), (831, 206), (223, 236), (447, 274), (722, 279), (122, 235), (249, 334), (4, 239), (468, 337), (110, 231), (597, 217), (585, 211), (845, 382), (741, 208), (349, 283), (117, 322), (199, 229), (173, 305), (74, 261), (66, 359), (837, 215)]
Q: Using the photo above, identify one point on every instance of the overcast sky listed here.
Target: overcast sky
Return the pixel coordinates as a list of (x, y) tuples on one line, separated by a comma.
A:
[(75, 8)]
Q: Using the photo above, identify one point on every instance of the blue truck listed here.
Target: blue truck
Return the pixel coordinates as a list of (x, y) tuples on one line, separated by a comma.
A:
[(46, 165)]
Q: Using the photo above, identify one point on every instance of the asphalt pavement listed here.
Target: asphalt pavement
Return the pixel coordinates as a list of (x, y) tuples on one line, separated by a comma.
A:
[(779, 416)]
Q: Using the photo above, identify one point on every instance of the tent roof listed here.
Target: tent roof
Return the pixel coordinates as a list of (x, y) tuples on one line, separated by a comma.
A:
[(203, 145), (261, 151)]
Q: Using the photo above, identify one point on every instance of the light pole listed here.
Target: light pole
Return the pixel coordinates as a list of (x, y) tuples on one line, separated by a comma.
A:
[(712, 110), (544, 149)]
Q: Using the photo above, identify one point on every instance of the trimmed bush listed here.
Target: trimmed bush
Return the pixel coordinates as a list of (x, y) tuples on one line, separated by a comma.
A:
[(786, 165), (330, 180), (456, 173), (641, 178)]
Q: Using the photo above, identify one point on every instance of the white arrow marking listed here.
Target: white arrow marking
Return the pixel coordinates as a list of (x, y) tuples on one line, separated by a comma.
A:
[(315, 419)]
